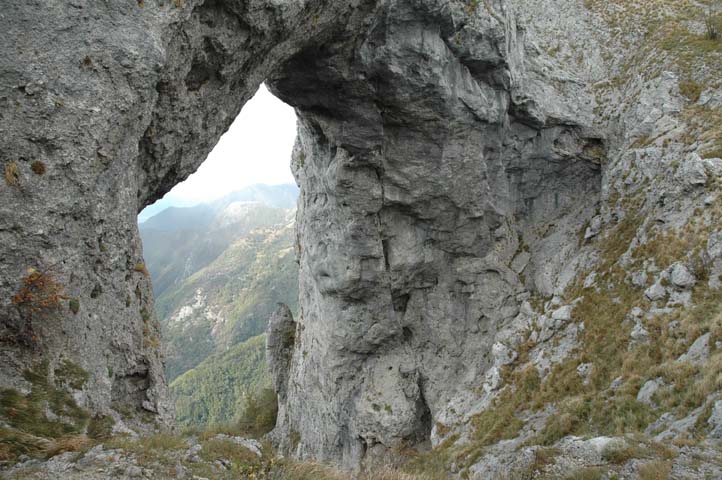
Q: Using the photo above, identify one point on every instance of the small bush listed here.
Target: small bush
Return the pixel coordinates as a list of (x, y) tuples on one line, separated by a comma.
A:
[(712, 23), (101, 427), (259, 413), (38, 292), (12, 175), (74, 305), (38, 167), (141, 268)]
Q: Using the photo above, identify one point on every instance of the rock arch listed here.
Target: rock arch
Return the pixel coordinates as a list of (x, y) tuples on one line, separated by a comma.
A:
[(437, 162)]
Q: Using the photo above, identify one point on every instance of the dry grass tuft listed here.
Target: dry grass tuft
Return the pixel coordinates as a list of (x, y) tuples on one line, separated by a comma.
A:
[(73, 443), (12, 174), (657, 470), (587, 473), (38, 167), (141, 268), (39, 291)]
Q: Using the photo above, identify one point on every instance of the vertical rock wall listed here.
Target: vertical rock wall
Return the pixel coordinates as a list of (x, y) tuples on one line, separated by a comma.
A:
[(104, 106), (432, 160)]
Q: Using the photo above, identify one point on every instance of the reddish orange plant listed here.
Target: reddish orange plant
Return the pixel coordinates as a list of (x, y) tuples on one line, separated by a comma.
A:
[(39, 292)]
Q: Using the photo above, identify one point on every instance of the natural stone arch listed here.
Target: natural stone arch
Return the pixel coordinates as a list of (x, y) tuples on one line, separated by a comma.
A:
[(428, 148), (428, 161)]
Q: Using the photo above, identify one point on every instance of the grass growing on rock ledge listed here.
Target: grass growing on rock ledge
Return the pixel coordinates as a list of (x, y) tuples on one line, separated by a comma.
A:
[(164, 455), (590, 407), (46, 420)]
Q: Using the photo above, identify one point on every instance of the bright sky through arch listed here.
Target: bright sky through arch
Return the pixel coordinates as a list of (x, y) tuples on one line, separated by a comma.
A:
[(255, 149)]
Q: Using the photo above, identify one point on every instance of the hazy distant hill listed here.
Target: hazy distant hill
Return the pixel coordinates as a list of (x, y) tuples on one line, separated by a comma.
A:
[(218, 271), (179, 241), (230, 300)]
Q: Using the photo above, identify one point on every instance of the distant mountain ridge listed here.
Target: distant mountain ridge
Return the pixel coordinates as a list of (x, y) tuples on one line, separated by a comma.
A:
[(182, 240), (277, 196), (218, 270)]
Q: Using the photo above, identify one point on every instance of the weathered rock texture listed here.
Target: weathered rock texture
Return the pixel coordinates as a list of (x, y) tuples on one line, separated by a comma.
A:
[(456, 159), (429, 152), (119, 101)]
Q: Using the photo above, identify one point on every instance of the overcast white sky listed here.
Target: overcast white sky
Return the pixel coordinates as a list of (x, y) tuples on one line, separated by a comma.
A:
[(256, 149)]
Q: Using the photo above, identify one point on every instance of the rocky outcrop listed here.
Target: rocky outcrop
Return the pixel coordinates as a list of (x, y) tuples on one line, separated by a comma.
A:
[(440, 182), (486, 187), (104, 107), (280, 343)]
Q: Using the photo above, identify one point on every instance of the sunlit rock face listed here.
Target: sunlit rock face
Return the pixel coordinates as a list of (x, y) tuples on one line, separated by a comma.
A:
[(429, 159)]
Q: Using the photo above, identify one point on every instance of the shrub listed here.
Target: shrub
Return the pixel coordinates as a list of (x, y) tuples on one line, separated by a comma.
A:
[(712, 23), (141, 268), (38, 167), (39, 291), (259, 413)]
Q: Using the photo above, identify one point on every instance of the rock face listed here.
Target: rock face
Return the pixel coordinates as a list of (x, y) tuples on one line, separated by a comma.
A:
[(103, 108), (427, 158), (454, 158)]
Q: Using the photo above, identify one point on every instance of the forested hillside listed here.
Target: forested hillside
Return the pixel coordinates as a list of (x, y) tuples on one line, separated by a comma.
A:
[(219, 270), (213, 393)]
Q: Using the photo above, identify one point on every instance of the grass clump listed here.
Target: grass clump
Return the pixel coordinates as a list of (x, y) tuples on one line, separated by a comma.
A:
[(242, 460), (141, 268), (712, 24), (587, 473), (100, 427), (38, 167), (620, 452), (12, 174), (149, 448), (691, 89), (43, 421), (656, 470), (71, 374)]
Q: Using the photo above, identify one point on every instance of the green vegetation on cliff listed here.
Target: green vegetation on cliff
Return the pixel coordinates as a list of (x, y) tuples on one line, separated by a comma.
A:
[(214, 392)]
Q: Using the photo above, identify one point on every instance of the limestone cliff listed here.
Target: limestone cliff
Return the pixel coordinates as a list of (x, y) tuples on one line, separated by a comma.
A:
[(505, 207)]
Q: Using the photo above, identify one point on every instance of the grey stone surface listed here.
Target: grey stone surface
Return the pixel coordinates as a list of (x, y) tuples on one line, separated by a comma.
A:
[(648, 390), (655, 292), (715, 421), (120, 101), (406, 233), (280, 342), (699, 350), (681, 277), (438, 141)]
